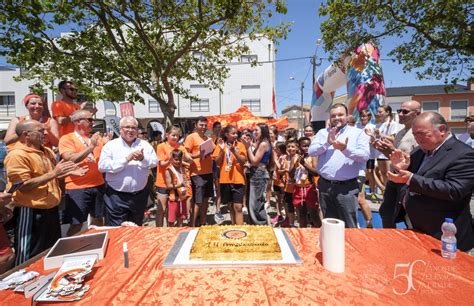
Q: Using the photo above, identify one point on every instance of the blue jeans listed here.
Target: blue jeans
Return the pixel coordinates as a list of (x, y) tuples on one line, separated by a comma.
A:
[(259, 178)]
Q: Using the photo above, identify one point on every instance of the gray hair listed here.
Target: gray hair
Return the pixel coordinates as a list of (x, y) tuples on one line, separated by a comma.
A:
[(128, 119), (80, 114), (436, 119)]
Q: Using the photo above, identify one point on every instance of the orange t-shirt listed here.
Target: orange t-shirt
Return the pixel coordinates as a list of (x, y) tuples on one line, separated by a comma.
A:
[(163, 152), (278, 178), (289, 180), (60, 108), (192, 144), (174, 195), (235, 173), (92, 178)]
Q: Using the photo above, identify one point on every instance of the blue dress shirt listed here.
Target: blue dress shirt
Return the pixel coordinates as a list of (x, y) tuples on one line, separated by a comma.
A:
[(336, 165)]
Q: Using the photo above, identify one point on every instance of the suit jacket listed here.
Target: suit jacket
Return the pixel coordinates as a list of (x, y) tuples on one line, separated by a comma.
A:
[(442, 188)]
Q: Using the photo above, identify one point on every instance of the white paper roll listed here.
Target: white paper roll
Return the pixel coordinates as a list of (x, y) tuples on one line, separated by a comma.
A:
[(332, 243)]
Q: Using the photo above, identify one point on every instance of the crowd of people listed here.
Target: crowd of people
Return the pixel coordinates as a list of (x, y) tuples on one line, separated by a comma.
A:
[(423, 171)]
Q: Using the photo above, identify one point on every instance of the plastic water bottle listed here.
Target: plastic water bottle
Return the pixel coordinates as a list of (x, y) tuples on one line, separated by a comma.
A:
[(448, 240)]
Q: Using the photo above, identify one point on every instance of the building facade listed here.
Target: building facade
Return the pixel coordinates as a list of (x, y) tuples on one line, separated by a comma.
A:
[(247, 85), (454, 105)]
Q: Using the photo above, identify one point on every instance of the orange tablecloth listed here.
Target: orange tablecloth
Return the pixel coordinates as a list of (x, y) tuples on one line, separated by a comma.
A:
[(378, 265)]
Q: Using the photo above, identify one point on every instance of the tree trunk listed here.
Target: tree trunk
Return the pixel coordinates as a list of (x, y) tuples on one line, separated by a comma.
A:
[(168, 114)]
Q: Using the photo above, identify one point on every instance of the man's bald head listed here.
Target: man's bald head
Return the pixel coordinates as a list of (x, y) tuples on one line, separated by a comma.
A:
[(26, 125), (412, 105), (408, 112)]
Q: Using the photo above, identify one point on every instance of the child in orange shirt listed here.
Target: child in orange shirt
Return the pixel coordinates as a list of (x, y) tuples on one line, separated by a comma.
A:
[(289, 167), (231, 156), (176, 184), (279, 180), (163, 152), (305, 194)]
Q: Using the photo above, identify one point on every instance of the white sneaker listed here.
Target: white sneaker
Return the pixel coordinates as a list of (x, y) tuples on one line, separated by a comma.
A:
[(245, 211), (219, 218)]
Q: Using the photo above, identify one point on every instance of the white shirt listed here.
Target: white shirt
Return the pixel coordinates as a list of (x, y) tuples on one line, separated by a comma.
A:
[(466, 138), (123, 175), (388, 128)]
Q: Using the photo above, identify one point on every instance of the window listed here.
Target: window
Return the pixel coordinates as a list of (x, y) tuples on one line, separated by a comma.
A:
[(249, 58), (201, 105), (7, 99), (193, 86), (250, 87), (7, 104), (251, 97), (154, 106), (252, 104), (458, 110), (430, 106)]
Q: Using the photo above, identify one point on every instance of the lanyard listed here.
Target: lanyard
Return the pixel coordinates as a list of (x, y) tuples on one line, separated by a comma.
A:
[(179, 175), (90, 156), (227, 155)]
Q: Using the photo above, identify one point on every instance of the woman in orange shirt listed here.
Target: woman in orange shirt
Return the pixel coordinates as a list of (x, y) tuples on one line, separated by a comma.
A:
[(35, 106), (230, 156), (163, 152)]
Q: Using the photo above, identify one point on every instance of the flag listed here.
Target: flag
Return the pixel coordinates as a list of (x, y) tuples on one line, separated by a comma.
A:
[(126, 109), (274, 101)]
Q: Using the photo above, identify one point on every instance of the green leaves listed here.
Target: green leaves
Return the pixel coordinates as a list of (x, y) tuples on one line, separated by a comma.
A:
[(117, 50), (433, 38)]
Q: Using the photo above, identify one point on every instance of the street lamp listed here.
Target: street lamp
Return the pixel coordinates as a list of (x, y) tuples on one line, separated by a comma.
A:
[(301, 110)]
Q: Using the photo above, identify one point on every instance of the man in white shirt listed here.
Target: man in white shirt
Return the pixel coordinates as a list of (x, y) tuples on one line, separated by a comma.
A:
[(126, 162)]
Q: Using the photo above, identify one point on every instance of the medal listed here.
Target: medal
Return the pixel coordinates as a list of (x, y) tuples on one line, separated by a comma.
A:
[(228, 166)]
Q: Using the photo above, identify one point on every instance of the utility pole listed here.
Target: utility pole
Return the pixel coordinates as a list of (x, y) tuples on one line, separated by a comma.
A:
[(313, 60)]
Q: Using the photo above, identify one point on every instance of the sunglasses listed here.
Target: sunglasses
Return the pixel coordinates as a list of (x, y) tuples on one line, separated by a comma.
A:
[(404, 111)]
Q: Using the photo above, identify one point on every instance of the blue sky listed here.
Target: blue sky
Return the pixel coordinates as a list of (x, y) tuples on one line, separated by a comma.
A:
[(301, 42)]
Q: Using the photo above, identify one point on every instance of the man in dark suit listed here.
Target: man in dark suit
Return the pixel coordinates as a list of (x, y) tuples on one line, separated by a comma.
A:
[(438, 178)]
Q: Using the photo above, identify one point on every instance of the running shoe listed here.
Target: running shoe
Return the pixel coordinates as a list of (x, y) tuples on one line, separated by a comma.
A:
[(245, 211), (219, 218)]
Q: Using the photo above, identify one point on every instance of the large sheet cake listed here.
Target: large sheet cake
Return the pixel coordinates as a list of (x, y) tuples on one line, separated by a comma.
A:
[(236, 242)]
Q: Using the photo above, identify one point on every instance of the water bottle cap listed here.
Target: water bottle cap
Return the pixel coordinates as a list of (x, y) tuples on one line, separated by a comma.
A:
[(448, 220)]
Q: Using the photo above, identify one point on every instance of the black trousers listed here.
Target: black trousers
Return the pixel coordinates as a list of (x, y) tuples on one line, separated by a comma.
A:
[(388, 209), (36, 230), (125, 206)]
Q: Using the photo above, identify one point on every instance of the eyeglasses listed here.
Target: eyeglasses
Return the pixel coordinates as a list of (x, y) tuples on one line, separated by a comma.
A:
[(404, 111), (70, 88)]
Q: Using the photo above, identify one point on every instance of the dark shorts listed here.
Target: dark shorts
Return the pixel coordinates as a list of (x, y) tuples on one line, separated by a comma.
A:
[(371, 164), (289, 202), (82, 202), (278, 189), (203, 187), (232, 193), (162, 190)]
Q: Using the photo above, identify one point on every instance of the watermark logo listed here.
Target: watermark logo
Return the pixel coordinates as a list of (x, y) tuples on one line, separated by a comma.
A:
[(405, 270)]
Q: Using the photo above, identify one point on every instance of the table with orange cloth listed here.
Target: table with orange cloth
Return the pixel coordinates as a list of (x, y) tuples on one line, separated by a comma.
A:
[(382, 266)]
